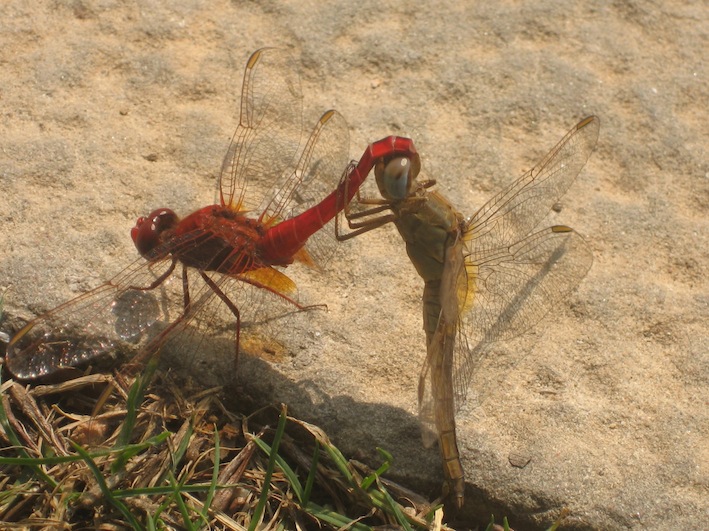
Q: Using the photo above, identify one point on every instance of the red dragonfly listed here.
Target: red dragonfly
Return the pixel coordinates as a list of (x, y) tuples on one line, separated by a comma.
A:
[(227, 255)]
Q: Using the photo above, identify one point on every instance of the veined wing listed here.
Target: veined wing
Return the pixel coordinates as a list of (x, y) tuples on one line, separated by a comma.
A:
[(513, 278), (266, 142), (324, 158), (132, 311), (514, 212), (89, 326), (512, 289), (264, 300)]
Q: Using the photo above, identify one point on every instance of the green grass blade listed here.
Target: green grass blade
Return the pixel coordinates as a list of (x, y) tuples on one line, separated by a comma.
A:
[(367, 482), (177, 497), (311, 475), (133, 449), (290, 474), (335, 519), (215, 477), (394, 508), (104, 487), (163, 490), (340, 462), (179, 453), (135, 399), (261, 505)]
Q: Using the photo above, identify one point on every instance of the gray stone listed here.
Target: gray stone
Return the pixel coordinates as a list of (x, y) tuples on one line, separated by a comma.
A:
[(113, 109)]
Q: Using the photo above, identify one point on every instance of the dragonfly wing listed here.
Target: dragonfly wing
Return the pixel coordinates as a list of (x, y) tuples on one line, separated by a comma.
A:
[(427, 408), (267, 303), (117, 313), (267, 139), (225, 312), (205, 325), (265, 296), (128, 312), (317, 173), (511, 288), (514, 212), (324, 158)]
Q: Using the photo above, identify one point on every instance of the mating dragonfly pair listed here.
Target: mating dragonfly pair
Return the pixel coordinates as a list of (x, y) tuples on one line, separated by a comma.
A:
[(487, 278)]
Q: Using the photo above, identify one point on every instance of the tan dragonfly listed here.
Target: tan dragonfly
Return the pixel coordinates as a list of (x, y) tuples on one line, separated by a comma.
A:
[(490, 277)]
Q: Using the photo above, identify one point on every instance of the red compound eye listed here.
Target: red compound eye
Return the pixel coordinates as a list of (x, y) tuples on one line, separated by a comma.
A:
[(147, 230)]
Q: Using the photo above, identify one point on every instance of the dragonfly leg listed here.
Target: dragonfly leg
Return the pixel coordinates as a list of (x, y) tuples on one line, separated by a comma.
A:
[(232, 307), (185, 291), (357, 215), (152, 350), (362, 227)]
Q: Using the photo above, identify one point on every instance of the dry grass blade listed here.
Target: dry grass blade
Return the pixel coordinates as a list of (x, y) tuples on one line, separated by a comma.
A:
[(148, 453)]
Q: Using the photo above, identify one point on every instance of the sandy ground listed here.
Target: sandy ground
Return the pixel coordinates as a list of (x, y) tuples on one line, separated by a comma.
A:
[(112, 109)]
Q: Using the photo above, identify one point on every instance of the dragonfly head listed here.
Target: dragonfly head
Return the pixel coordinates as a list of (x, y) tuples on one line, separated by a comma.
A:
[(147, 231), (395, 176)]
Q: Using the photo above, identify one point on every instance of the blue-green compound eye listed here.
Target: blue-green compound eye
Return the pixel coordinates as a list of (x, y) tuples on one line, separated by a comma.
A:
[(396, 178)]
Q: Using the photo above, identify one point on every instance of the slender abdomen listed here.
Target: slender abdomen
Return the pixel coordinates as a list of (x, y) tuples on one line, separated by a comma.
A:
[(432, 230)]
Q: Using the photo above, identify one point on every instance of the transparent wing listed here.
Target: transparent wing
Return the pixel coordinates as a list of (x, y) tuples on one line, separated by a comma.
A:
[(119, 316), (514, 212), (266, 142), (94, 324), (513, 278), (210, 332), (317, 174), (513, 289)]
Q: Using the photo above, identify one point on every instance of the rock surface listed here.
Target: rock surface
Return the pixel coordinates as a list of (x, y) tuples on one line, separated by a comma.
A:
[(112, 109)]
